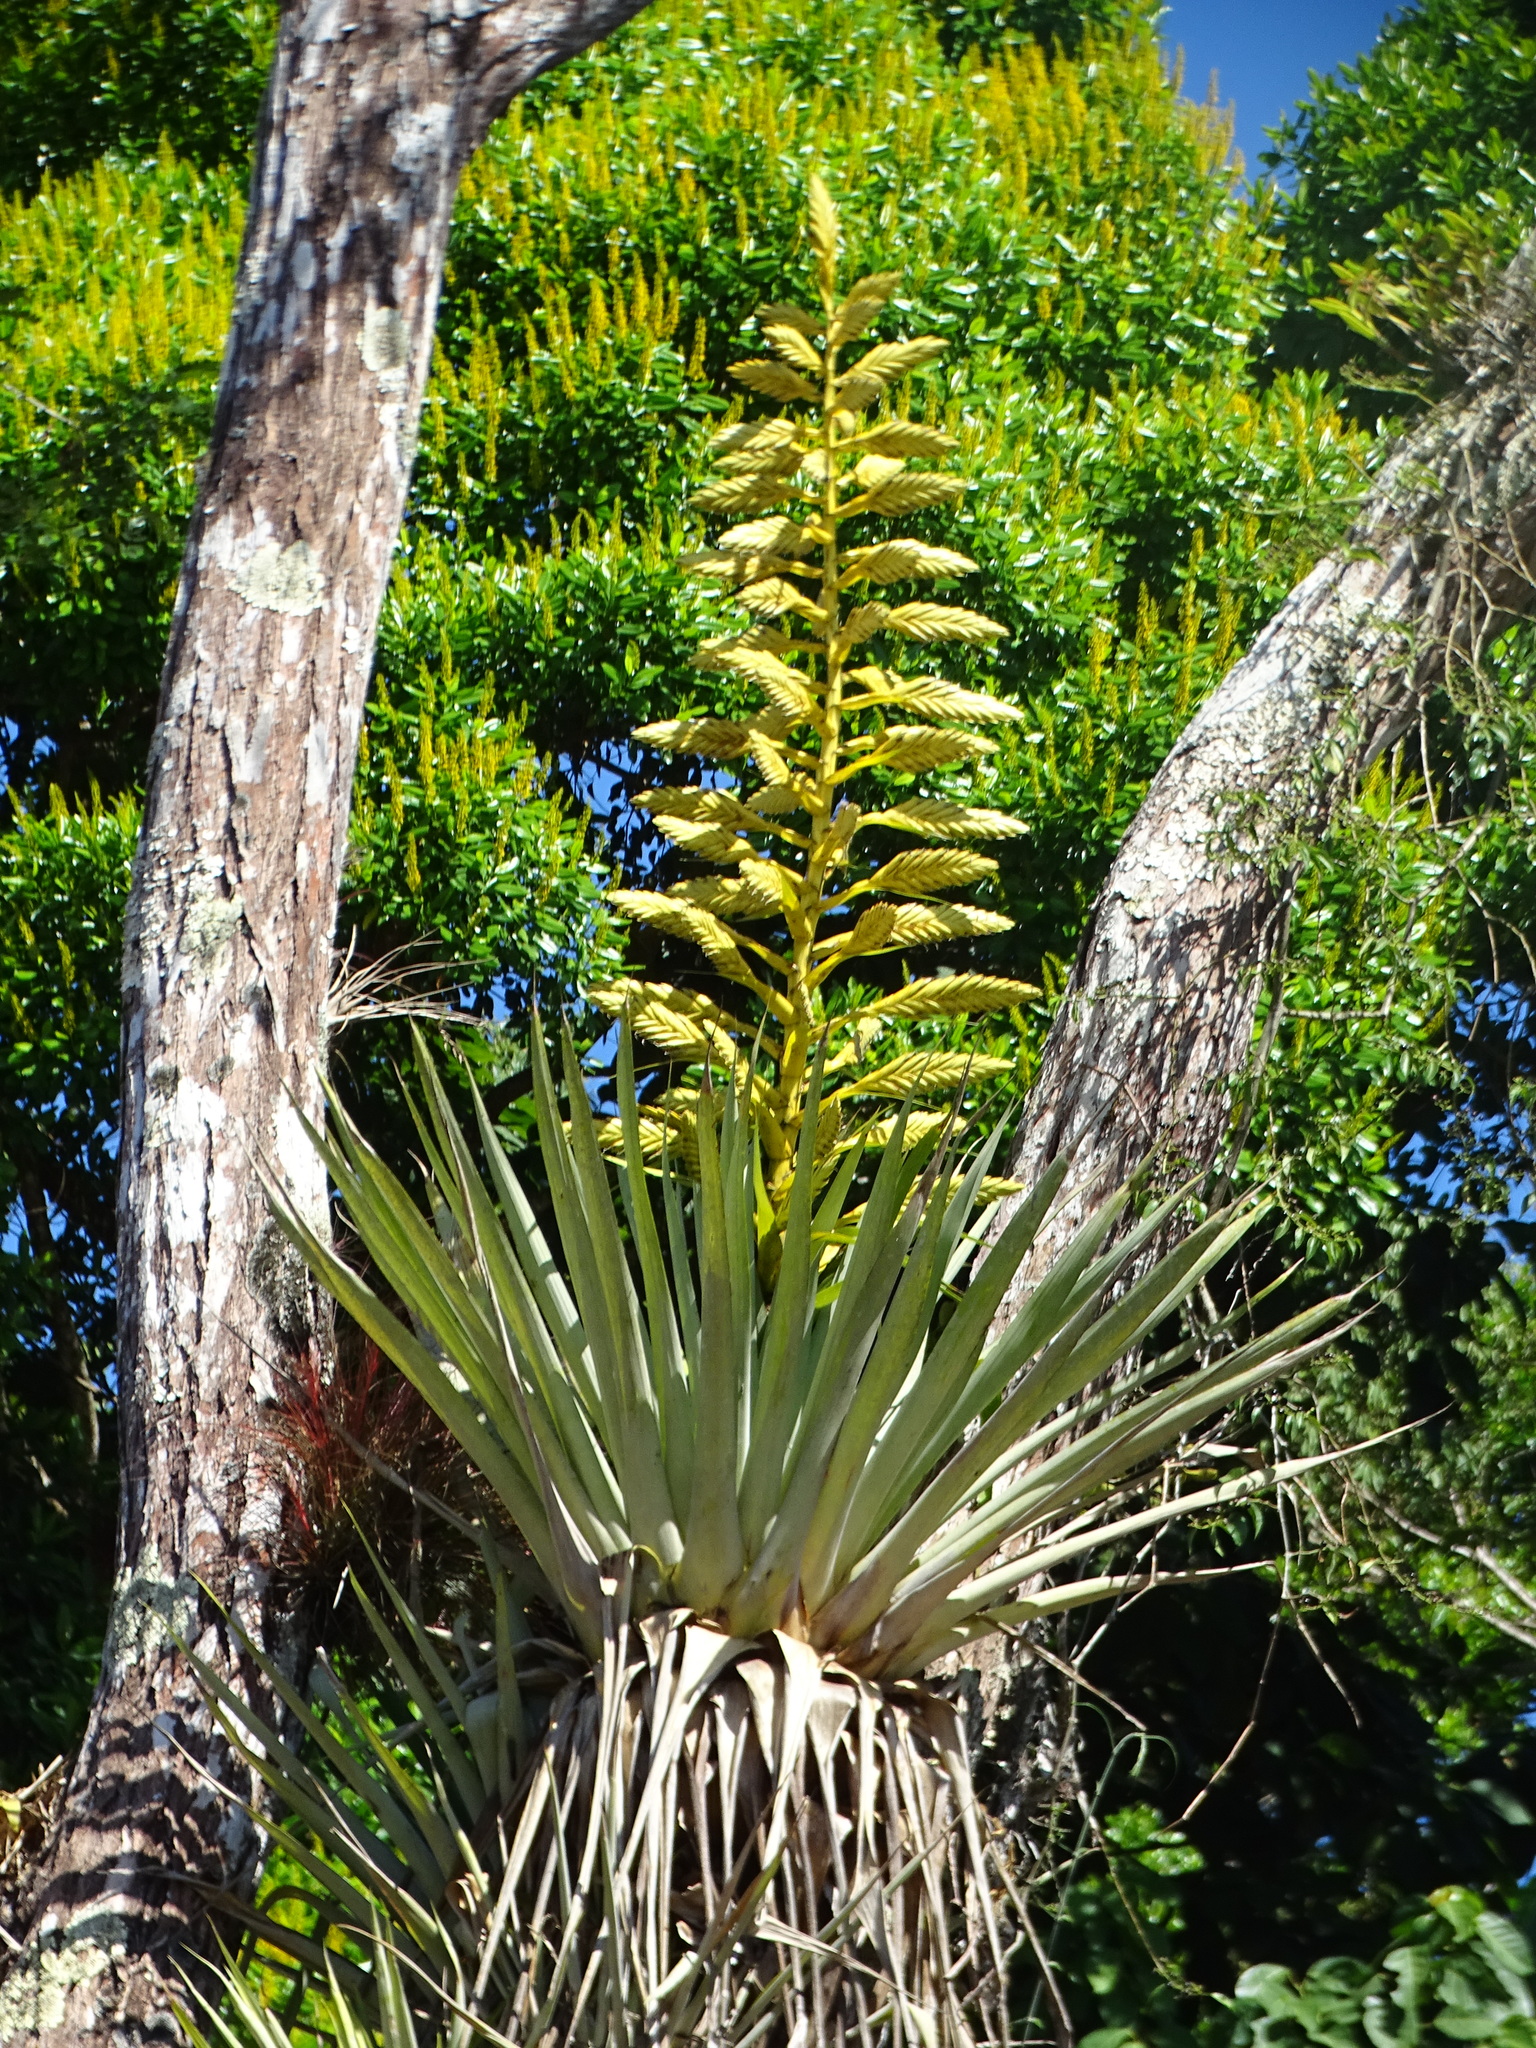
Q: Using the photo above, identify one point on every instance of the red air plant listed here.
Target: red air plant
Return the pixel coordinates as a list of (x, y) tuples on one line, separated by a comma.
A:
[(359, 1450)]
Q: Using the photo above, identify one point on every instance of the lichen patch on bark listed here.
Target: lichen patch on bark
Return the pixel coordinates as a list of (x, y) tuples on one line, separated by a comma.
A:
[(210, 925), (282, 579), (385, 341), (149, 1609), (39, 1991)]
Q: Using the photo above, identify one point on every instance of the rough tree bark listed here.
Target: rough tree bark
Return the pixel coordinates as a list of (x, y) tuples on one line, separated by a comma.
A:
[(1156, 1031), (372, 110), (1158, 1019)]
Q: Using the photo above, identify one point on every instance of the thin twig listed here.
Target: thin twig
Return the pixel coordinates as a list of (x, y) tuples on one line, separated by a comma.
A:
[(1246, 1736), (1066, 2033)]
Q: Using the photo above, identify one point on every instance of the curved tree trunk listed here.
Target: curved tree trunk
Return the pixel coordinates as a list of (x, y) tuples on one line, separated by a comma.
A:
[(373, 108), (1158, 1020), (1155, 1037)]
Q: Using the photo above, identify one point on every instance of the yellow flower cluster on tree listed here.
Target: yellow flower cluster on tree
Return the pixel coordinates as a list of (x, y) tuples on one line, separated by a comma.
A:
[(786, 835), (115, 290)]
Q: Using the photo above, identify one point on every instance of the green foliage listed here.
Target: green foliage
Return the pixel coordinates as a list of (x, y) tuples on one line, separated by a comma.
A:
[(63, 882), (968, 27), (120, 288), (117, 298), (1398, 1092), (1457, 1968), (1334, 1737), (1386, 926), (1139, 499), (1385, 1671), (1437, 1521), (462, 849), (678, 151), (1453, 1969), (1118, 1938), (1399, 1085), (1415, 176), (606, 253), (112, 323), (83, 79)]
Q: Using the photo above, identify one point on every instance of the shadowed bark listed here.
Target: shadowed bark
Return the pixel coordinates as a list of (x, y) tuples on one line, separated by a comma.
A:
[(373, 108)]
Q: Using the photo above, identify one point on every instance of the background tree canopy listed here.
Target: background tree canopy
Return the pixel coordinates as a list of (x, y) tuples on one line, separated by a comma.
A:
[(1174, 432)]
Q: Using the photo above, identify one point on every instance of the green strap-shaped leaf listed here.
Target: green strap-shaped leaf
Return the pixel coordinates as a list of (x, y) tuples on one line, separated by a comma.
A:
[(713, 1553), (930, 1413), (783, 1347), (460, 1766), (901, 1338), (858, 1606), (635, 1439), (669, 1374)]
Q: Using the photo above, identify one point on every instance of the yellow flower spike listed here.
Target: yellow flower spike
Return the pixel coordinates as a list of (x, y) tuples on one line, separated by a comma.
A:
[(795, 905)]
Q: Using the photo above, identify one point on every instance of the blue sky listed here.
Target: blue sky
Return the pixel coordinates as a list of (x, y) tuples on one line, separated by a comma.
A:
[(1262, 51)]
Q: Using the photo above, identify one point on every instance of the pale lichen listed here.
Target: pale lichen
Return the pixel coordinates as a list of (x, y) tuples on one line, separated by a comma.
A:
[(37, 1993), (279, 579), (385, 340), (211, 923), (149, 1609), (280, 1281)]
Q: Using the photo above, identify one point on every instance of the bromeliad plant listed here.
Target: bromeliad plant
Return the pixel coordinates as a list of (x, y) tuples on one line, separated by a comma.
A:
[(759, 1496), (788, 833), (759, 1520)]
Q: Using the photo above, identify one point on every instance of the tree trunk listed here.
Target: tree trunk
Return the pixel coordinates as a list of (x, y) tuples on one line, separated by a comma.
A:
[(1154, 1041), (1158, 1020), (372, 110)]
